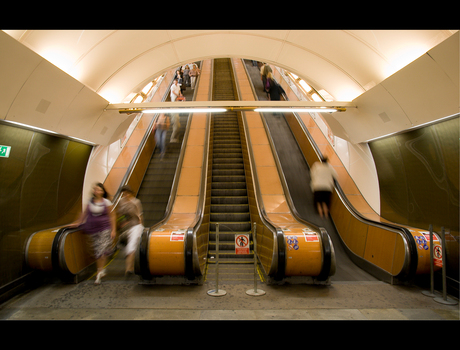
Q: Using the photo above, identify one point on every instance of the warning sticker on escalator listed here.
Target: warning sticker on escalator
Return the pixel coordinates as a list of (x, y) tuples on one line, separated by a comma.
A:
[(311, 237), (177, 235)]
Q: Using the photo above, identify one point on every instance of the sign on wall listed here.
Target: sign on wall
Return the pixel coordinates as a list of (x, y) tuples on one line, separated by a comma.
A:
[(5, 151)]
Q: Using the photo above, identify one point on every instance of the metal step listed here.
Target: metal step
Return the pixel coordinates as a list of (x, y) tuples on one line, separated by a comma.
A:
[(229, 201)]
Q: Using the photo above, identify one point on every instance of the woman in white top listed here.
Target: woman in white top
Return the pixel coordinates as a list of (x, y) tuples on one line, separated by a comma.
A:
[(175, 90), (322, 184)]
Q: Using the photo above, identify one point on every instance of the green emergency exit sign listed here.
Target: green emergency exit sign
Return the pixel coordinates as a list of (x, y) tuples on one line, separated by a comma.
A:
[(5, 151)]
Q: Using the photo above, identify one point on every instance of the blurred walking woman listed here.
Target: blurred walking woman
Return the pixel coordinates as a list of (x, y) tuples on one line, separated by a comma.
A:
[(99, 223)]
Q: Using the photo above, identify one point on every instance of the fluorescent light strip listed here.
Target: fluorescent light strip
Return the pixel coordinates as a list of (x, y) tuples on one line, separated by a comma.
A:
[(297, 110), (185, 110), (31, 127), (419, 126)]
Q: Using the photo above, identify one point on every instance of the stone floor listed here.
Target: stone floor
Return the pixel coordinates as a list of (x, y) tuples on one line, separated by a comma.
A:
[(120, 298)]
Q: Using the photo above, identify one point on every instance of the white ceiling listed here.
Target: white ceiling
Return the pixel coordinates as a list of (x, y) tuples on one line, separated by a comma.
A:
[(116, 63), (344, 62)]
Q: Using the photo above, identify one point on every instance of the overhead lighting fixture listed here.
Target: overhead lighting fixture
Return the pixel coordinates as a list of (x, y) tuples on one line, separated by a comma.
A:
[(297, 110), (46, 131), (31, 127), (185, 110)]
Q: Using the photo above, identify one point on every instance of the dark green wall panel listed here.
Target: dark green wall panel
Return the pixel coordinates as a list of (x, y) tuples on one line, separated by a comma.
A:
[(40, 187), (418, 176)]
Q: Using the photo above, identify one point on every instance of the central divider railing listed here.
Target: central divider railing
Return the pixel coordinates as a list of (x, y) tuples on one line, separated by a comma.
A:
[(219, 292), (432, 293), (255, 292)]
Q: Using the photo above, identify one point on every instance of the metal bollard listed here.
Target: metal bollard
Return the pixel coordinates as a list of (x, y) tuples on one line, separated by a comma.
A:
[(216, 292), (431, 292), (444, 300), (255, 292)]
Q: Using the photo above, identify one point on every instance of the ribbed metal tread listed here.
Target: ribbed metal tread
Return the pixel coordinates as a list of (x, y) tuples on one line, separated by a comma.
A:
[(229, 201)]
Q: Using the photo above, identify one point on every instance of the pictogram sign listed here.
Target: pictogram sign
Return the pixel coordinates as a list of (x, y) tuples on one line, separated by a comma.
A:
[(242, 244), (437, 255), (5, 151)]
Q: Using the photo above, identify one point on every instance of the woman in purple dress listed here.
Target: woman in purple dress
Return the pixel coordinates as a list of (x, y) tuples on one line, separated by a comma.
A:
[(99, 223)]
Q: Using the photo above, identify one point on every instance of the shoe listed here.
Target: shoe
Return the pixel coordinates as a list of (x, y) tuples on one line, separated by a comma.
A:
[(99, 276)]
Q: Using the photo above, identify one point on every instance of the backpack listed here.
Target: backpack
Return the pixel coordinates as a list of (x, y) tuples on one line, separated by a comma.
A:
[(267, 85)]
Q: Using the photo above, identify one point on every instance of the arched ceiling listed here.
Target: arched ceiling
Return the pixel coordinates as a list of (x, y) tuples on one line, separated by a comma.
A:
[(69, 81), (116, 63)]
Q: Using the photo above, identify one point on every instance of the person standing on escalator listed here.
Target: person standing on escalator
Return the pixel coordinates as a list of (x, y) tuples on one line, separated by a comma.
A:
[(264, 70), (322, 184), (161, 128), (194, 73), (272, 88), (175, 88), (186, 75), (175, 93)]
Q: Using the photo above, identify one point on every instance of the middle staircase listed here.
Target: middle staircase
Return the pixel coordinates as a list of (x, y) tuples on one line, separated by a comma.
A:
[(229, 199)]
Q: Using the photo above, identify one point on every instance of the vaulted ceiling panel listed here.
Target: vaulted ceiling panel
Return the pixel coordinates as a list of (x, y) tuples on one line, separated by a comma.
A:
[(423, 91), (16, 65), (44, 97), (127, 77), (116, 50), (307, 64), (81, 116), (378, 113)]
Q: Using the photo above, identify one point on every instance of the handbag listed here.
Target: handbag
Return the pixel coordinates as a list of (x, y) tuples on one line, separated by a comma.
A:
[(180, 98)]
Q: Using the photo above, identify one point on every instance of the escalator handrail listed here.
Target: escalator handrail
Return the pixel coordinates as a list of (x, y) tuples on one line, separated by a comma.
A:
[(191, 251), (192, 264), (57, 253)]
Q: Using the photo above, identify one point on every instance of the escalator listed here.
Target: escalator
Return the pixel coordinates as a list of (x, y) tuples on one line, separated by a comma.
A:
[(208, 187), (350, 265), (63, 250), (229, 200), (297, 173), (155, 190), (225, 198)]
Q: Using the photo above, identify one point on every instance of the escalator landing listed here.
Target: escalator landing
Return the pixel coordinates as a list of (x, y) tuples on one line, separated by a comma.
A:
[(117, 299)]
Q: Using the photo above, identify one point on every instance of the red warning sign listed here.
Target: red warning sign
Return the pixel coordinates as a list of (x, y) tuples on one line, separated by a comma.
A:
[(242, 244), (437, 255), (177, 235)]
